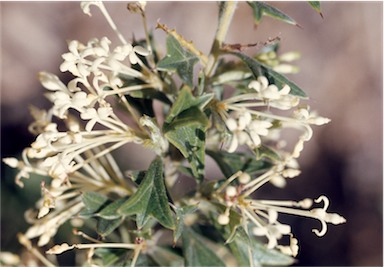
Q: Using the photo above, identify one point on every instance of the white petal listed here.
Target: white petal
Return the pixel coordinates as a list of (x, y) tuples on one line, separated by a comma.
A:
[(141, 50)]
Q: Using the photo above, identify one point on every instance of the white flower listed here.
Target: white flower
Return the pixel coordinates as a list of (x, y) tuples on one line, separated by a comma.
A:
[(246, 131), (58, 166), (310, 117), (280, 99), (292, 249), (51, 82), (273, 230), (94, 116)]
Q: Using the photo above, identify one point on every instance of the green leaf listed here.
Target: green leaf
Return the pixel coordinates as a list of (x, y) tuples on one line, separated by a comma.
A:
[(230, 163), (178, 59), (110, 212), (260, 9), (264, 151), (185, 128), (261, 255), (109, 257), (274, 77), (187, 133), (196, 251), (180, 215), (186, 100), (150, 199), (93, 202), (316, 6), (165, 257), (105, 227)]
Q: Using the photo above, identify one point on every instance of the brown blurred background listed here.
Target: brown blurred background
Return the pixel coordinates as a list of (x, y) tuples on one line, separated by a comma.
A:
[(341, 71)]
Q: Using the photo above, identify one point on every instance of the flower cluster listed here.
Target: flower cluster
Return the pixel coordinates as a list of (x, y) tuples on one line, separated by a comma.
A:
[(112, 100)]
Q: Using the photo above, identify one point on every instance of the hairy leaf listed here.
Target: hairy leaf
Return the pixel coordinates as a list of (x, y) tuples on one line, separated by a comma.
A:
[(316, 6), (178, 59), (150, 200), (180, 215), (229, 163), (105, 227), (93, 202), (274, 77), (109, 212), (185, 128), (246, 248), (187, 133), (186, 100), (196, 251), (165, 257), (260, 9)]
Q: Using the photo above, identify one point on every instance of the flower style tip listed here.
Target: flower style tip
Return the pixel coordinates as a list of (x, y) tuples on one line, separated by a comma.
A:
[(324, 217), (85, 6)]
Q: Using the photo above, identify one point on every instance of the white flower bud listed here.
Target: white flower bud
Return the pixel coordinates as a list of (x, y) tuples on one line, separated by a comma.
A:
[(11, 162), (223, 219), (230, 191), (290, 56), (244, 178)]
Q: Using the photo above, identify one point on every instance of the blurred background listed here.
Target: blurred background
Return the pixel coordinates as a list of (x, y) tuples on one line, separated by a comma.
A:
[(341, 71)]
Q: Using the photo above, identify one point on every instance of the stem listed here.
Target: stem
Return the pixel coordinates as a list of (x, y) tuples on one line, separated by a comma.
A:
[(111, 23), (227, 9)]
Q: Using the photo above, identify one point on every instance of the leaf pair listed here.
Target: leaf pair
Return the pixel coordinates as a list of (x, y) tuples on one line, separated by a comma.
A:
[(261, 9), (185, 128), (150, 200)]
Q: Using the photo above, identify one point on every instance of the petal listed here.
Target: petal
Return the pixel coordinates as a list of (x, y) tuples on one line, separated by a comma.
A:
[(141, 50)]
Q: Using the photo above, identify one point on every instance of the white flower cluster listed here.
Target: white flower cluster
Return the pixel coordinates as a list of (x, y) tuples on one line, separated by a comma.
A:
[(249, 122), (252, 122), (263, 214), (74, 153)]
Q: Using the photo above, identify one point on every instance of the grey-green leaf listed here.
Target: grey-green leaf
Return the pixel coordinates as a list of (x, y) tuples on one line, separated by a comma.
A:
[(186, 100), (316, 6), (93, 202), (150, 199), (260, 9), (274, 77), (229, 163), (261, 255), (185, 128), (110, 212), (196, 251), (105, 227), (180, 215), (178, 59), (187, 133), (165, 257)]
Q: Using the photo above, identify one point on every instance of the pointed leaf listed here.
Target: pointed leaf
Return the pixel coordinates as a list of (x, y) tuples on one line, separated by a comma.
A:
[(165, 257), (185, 128), (274, 77), (150, 200), (178, 59), (180, 215), (229, 163), (260, 9), (93, 202), (110, 212), (196, 251), (187, 133), (186, 100), (105, 227), (109, 257), (261, 255), (264, 151), (316, 6)]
